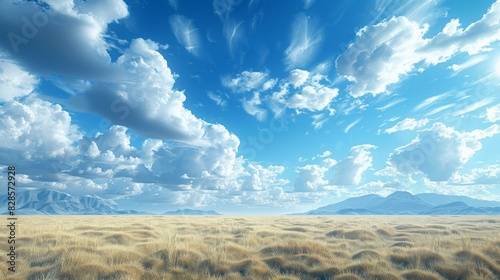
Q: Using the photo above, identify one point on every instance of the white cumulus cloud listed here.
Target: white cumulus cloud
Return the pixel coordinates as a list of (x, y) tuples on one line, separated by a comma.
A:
[(246, 81), (493, 113), (407, 124), (438, 152), (349, 171), (384, 53), (14, 81)]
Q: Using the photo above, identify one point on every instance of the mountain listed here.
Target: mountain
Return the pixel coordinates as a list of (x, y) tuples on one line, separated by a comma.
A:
[(401, 203), (350, 203), (461, 208), (191, 212), (52, 202), (440, 199), (405, 203)]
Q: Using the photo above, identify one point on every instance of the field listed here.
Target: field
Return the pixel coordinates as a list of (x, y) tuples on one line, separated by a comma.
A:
[(276, 247)]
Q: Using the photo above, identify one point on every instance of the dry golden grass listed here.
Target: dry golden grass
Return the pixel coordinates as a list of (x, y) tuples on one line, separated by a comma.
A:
[(282, 247)]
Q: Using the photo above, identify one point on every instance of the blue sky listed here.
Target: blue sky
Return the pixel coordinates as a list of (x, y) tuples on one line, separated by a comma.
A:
[(251, 107)]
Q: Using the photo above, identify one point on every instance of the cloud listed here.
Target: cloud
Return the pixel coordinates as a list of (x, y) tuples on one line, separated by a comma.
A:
[(423, 11), (355, 106), (37, 129), (39, 138), (305, 41), (269, 84), (186, 33), (298, 77), (217, 99), (223, 8), (439, 151), (319, 120), (80, 29), (311, 94), (383, 53), (351, 125), (300, 91), (457, 68), (390, 104), (14, 81), (147, 103), (489, 175), (473, 107), (260, 178), (407, 124), (325, 154), (349, 170), (308, 4), (439, 109), (174, 4), (382, 188), (310, 178), (429, 101), (246, 81), (312, 98), (252, 107), (380, 54), (233, 34), (208, 167), (493, 113), (474, 39)]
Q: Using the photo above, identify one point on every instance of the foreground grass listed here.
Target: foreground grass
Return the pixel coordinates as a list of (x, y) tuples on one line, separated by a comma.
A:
[(282, 247)]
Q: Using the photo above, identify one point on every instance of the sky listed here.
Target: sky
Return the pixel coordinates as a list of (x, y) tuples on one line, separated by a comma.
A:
[(250, 107)]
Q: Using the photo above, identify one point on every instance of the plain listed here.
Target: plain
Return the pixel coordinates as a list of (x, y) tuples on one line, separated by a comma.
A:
[(271, 247)]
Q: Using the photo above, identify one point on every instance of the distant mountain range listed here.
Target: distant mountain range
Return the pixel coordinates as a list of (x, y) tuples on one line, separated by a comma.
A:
[(52, 202), (192, 212), (405, 203)]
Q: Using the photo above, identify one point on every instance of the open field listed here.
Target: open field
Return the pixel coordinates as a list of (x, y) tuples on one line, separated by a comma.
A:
[(278, 247)]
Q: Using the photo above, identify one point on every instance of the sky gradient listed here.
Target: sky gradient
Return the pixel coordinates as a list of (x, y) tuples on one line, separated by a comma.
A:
[(250, 107)]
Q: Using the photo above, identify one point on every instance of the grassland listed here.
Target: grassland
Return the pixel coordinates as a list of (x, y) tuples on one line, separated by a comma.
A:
[(282, 247)]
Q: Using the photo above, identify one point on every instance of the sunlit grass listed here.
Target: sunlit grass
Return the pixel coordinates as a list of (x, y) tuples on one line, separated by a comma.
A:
[(286, 247)]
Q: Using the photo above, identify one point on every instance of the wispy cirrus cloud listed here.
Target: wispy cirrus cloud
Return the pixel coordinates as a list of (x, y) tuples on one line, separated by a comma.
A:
[(223, 8), (217, 99), (351, 125), (390, 104), (306, 37), (308, 4), (457, 68), (429, 101), (233, 32), (174, 4), (186, 33), (439, 109), (473, 107)]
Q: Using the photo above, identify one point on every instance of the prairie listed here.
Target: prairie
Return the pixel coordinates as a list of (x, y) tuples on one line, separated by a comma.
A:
[(273, 247)]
